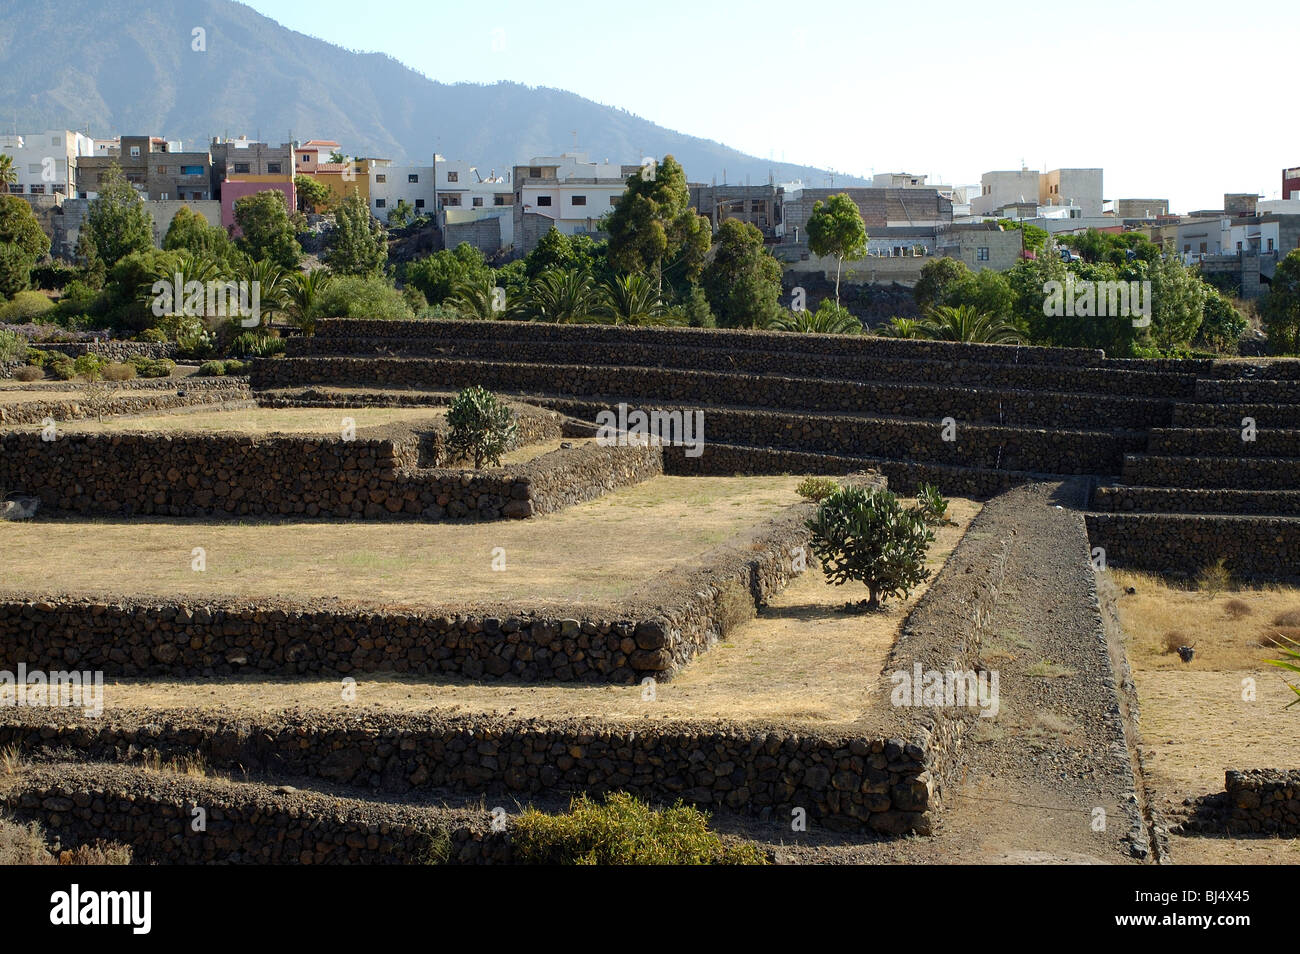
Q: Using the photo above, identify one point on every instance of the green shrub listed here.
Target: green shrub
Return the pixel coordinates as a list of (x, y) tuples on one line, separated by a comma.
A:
[(817, 488), (482, 427), (119, 372), (211, 369), (237, 367), (249, 344), (356, 296), (1290, 650), (865, 535), (38, 358), (60, 365), (24, 307), (152, 335), (154, 367), (931, 505), (13, 346), (89, 366), (625, 831)]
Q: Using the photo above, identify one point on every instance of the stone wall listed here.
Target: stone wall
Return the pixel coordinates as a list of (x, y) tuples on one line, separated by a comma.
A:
[(136, 398), (842, 781), (869, 367), (347, 332), (1241, 473), (1252, 546), (1183, 500), (1263, 801), (375, 476), (1044, 409), (112, 349), (247, 823)]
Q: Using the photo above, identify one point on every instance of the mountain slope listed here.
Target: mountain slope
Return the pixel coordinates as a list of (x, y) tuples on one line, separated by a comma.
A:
[(127, 66)]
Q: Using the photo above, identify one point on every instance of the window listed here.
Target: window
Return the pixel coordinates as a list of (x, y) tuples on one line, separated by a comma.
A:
[(579, 200), (613, 200), (162, 170), (498, 200), (135, 152), (413, 178), (451, 200), (305, 157), (534, 172), (1270, 245), (478, 201), (191, 170), (381, 203), (33, 168), (1204, 248), (1238, 246), (380, 177), (241, 167), (164, 196), (982, 253), (56, 140), (543, 200), (453, 176), (419, 203), (15, 188), (273, 168), (38, 189)]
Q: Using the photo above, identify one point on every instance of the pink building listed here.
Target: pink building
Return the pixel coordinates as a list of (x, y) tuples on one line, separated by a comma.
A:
[(232, 190)]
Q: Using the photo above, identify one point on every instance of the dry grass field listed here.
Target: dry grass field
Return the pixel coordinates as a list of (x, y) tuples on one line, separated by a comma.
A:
[(1198, 718), (260, 420), (600, 550), (801, 661)]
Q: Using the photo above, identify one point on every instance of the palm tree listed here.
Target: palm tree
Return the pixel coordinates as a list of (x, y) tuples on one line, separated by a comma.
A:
[(8, 173), (901, 328), (968, 323), (302, 295), (269, 279), (563, 296), (833, 320), (632, 300), (478, 299)]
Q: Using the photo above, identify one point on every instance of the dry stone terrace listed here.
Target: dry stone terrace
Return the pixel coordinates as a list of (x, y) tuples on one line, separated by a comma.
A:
[(1071, 450)]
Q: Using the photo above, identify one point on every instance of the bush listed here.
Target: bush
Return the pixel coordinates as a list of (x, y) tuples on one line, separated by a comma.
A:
[(250, 344), (817, 488), (154, 367), (482, 427), (25, 306), (13, 347), (61, 367), (931, 505), (89, 366), (865, 535), (237, 367), (211, 369), (119, 372), (152, 335), (29, 373), (1215, 578), (625, 831), (1236, 609), (357, 296), (38, 358)]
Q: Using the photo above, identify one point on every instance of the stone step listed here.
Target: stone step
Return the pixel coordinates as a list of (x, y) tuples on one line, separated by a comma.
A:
[(1223, 442), (965, 371), (1212, 473), (1273, 416), (1248, 391), (848, 435), (1053, 410), (1250, 546), (1119, 499)]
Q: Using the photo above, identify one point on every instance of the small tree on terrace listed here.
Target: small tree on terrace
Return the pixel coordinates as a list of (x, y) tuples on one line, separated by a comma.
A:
[(836, 228), (482, 427), (865, 535)]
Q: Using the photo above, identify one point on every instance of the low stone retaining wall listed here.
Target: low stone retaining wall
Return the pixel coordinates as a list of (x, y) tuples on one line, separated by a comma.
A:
[(345, 330), (1230, 415), (976, 445), (171, 393), (1184, 500), (971, 370), (651, 385), (1252, 546), (244, 823), (1222, 442), (1239, 473), (375, 476), (673, 617), (1263, 801), (840, 780), (112, 349)]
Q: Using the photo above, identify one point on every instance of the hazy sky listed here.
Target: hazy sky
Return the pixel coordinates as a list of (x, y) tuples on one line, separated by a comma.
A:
[(1181, 100)]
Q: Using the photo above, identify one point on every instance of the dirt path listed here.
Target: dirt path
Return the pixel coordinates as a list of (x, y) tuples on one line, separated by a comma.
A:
[(1039, 775)]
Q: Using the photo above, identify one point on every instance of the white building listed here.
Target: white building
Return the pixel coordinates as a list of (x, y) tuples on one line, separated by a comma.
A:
[(46, 163), (390, 184), (567, 192)]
